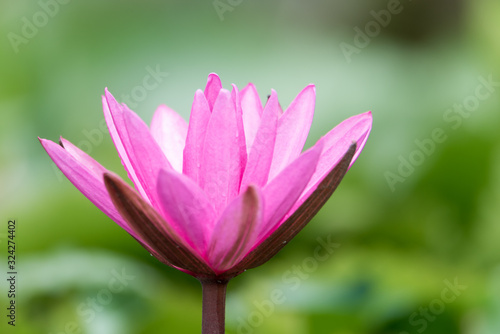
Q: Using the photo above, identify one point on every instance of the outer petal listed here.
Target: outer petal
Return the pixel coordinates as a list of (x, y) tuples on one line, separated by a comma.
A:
[(294, 224), (336, 142), (261, 153), (169, 130), (148, 223), (252, 111), (212, 89), (235, 232), (86, 174), (187, 208), (293, 128), (88, 185), (221, 168), (113, 113), (195, 140), (148, 156), (284, 190), (83, 158)]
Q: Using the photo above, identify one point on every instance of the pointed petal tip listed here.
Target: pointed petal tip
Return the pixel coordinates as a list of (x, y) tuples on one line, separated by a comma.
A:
[(199, 94), (224, 96), (250, 86), (108, 98), (252, 192), (273, 97), (309, 91), (43, 142), (364, 119), (224, 93), (253, 197), (235, 88), (367, 114), (213, 76), (311, 87), (108, 95), (212, 89), (47, 142), (112, 182), (108, 179), (352, 147)]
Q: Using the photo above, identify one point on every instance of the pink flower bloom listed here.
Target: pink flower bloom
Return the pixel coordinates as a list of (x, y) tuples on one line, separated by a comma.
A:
[(225, 192)]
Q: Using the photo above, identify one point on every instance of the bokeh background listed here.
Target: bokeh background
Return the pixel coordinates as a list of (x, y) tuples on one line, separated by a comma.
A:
[(415, 221)]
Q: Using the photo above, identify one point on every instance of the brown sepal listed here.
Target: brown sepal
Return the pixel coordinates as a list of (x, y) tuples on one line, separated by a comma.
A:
[(152, 228), (297, 221)]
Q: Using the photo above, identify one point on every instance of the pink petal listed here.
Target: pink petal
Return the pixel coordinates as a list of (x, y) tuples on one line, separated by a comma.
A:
[(252, 111), (148, 156), (186, 208), (261, 153), (284, 190), (220, 173), (212, 89), (197, 128), (235, 232), (336, 143), (113, 113), (293, 128), (235, 96), (83, 158), (288, 229), (86, 175), (82, 182), (169, 130), (168, 246)]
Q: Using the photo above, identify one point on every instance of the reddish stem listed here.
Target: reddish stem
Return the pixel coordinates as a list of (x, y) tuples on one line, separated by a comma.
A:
[(214, 306)]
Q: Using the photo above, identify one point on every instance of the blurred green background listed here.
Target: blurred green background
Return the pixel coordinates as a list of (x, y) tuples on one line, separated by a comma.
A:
[(417, 213)]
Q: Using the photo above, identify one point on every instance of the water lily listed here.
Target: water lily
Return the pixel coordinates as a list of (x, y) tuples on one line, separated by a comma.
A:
[(222, 193)]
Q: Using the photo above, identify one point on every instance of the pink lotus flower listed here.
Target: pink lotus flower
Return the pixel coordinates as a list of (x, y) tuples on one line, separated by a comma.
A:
[(225, 192)]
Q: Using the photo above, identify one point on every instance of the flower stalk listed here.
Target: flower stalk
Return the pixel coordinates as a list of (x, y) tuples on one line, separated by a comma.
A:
[(214, 305)]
